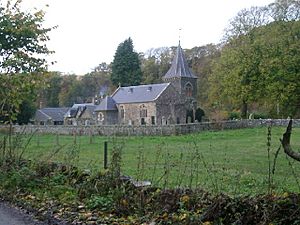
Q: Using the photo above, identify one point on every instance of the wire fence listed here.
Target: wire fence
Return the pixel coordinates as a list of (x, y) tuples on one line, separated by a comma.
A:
[(234, 163)]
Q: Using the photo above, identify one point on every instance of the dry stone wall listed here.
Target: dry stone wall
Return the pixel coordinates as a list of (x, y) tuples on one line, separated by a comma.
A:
[(173, 129)]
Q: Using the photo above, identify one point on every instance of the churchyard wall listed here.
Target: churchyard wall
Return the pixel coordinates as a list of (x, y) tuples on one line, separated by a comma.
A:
[(171, 129)]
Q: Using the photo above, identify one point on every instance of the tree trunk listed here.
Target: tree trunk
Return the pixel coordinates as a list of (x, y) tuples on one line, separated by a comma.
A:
[(285, 141), (244, 110)]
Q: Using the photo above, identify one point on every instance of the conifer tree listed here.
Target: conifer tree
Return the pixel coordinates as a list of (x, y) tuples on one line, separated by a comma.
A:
[(126, 68)]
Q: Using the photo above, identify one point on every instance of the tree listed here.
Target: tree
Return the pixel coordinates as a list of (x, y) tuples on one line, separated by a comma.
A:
[(22, 48), (201, 61), (245, 21), (27, 110), (285, 141), (53, 89), (150, 69), (285, 10), (259, 61), (67, 95), (126, 65)]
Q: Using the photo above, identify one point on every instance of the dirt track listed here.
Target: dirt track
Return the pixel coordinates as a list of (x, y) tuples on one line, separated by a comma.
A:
[(13, 216)]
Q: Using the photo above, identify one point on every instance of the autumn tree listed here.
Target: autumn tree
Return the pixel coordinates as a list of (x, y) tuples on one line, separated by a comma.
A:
[(126, 65), (259, 62), (22, 51)]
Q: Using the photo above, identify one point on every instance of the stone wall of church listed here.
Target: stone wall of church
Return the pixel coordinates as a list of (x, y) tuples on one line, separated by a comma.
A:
[(107, 117), (192, 81), (133, 116), (170, 107)]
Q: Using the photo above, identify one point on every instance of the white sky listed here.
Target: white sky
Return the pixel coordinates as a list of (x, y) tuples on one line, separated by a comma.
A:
[(90, 31)]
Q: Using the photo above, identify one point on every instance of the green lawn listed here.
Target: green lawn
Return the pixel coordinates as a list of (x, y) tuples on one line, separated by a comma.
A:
[(232, 161)]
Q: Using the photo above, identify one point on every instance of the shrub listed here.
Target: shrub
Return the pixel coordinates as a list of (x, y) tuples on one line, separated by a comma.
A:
[(259, 115), (234, 115)]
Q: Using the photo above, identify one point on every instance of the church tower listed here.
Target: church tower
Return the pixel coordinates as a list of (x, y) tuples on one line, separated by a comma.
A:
[(185, 82), (180, 76)]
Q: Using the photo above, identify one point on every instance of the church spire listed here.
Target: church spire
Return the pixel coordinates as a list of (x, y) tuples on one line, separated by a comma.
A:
[(179, 67)]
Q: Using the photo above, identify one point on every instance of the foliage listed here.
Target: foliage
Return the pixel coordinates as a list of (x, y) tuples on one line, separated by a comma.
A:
[(259, 62), (126, 65), (22, 48), (49, 95), (260, 67), (65, 90), (68, 94), (155, 63), (27, 110)]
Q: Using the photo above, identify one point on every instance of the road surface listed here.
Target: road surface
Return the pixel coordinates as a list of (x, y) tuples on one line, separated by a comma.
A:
[(13, 216)]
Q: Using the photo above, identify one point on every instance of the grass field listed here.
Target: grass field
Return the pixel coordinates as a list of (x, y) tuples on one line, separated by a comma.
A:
[(232, 161)]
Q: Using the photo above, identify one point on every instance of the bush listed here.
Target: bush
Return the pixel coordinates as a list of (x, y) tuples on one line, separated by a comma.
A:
[(102, 203), (258, 115), (234, 115)]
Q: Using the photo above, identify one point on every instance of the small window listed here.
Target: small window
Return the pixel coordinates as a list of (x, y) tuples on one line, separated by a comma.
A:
[(143, 122), (178, 120), (188, 90), (153, 120), (122, 112), (100, 116), (143, 111)]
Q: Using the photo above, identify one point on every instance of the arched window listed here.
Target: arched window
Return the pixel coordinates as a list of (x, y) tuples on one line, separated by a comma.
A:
[(100, 116), (143, 111), (122, 112), (189, 90)]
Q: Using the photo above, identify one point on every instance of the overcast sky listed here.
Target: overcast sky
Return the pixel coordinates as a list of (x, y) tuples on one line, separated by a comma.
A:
[(90, 31)]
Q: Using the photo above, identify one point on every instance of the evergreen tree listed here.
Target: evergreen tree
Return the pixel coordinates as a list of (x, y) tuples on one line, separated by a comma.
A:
[(126, 65)]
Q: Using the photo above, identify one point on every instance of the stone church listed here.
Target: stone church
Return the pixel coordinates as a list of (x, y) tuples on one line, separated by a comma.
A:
[(173, 101)]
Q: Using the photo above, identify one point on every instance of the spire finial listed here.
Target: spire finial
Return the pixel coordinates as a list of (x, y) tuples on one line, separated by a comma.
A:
[(179, 34)]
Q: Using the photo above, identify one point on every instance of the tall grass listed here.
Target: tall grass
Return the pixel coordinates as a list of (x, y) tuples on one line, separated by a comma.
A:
[(233, 162)]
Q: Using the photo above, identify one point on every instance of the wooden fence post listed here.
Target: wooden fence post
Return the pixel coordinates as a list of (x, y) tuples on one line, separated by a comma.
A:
[(105, 155)]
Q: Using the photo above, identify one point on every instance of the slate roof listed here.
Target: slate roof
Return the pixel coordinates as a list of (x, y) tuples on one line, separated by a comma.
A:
[(54, 114), (141, 93), (78, 109), (107, 104), (179, 67)]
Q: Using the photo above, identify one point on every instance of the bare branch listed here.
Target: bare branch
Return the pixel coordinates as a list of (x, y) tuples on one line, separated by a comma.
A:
[(285, 141)]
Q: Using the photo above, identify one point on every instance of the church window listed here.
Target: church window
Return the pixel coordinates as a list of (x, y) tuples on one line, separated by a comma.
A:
[(143, 111), (122, 112), (100, 116), (153, 120), (188, 90)]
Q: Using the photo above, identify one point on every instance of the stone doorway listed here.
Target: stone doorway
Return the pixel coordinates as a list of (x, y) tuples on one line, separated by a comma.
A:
[(190, 116)]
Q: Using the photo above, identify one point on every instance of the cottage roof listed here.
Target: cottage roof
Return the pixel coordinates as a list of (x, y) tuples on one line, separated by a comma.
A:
[(54, 114), (107, 104), (179, 67), (141, 93), (78, 109)]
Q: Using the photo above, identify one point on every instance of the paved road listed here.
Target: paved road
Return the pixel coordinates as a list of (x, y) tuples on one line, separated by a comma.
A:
[(13, 216)]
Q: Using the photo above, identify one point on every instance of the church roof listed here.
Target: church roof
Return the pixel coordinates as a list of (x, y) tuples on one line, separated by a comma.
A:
[(179, 67), (78, 109), (54, 114), (141, 93), (107, 104)]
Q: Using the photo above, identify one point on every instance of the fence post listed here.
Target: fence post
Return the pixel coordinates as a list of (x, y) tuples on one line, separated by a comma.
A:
[(38, 139), (57, 139), (105, 155)]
